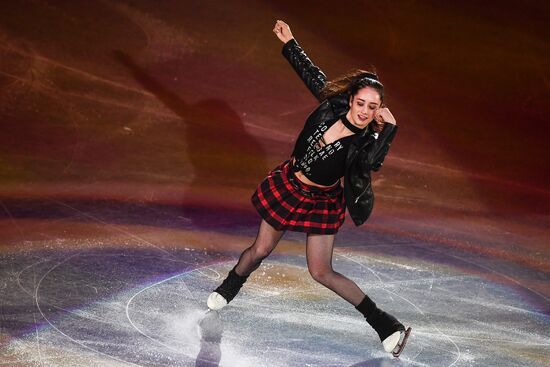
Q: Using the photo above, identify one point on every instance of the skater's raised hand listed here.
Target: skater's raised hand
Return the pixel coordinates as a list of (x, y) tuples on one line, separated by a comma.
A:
[(282, 31), (383, 114)]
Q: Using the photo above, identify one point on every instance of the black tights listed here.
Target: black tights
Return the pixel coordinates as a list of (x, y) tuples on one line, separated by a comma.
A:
[(248, 262), (263, 245)]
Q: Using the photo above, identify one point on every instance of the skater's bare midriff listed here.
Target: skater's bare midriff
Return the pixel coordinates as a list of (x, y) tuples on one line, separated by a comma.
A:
[(306, 180)]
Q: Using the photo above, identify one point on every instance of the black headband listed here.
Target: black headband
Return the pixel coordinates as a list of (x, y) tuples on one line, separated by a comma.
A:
[(370, 81)]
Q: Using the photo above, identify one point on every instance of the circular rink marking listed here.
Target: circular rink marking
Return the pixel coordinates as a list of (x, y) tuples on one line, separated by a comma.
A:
[(112, 308)]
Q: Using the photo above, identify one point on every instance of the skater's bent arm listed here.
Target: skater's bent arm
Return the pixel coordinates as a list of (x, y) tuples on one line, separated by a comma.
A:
[(310, 74), (379, 149), (375, 154)]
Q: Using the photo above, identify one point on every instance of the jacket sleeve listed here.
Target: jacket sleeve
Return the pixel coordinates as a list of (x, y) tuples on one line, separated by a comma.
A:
[(377, 151), (310, 74)]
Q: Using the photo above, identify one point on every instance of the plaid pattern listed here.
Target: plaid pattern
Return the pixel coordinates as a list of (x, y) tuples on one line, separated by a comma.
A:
[(286, 203)]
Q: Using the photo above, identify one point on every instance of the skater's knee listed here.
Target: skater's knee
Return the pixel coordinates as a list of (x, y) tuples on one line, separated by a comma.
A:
[(259, 253), (321, 274)]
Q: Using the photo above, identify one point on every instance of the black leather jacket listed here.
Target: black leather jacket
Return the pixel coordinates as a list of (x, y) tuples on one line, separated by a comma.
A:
[(368, 149)]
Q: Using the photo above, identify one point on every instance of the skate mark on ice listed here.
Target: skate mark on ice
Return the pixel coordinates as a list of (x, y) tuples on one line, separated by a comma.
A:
[(413, 359), (433, 278), (39, 349), (114, 227), (492, 271), (347, 257), (458, 352), (216, 278), (18, 277), (37, 333), (500, 340), (128, 303), (79, 255), (131, 299), (37, 302), (487, 304)]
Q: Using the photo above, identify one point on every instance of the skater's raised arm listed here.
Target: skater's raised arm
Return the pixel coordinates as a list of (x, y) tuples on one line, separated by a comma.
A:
[(310, 74)]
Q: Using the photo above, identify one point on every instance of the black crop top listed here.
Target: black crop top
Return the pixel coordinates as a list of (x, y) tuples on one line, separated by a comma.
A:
[(324, 165)]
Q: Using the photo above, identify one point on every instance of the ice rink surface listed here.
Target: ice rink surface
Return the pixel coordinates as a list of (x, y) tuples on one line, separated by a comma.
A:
[(132, 134), (147, 307), (75, 304)]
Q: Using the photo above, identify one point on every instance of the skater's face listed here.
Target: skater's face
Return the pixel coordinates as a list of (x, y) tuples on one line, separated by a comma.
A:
[(363, 105)]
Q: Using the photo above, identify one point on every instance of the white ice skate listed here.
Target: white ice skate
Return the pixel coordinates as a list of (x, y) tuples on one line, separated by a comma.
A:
[(216, 301), (396, 342)]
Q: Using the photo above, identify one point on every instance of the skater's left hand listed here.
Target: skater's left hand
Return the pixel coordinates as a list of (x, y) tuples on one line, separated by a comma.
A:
[(282, 31), (383, 115)]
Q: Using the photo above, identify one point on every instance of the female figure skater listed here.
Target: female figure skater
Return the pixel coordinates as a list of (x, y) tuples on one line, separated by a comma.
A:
[(346, 136)]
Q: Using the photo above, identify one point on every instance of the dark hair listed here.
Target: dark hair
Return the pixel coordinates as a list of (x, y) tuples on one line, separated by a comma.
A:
[(351, 83)]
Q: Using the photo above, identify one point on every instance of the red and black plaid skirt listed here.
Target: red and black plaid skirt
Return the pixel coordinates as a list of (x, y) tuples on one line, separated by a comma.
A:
[(286, 203)]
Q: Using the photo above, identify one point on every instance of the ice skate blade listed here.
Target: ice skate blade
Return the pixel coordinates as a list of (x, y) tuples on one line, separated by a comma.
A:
[(216, 301), (391, 342), (401, 345)]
